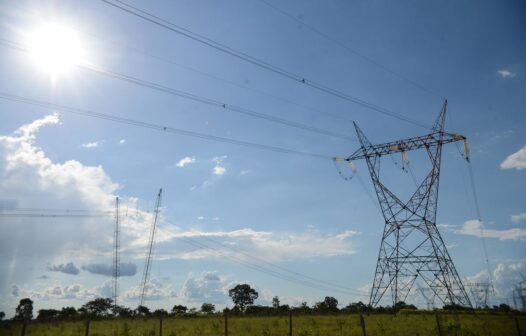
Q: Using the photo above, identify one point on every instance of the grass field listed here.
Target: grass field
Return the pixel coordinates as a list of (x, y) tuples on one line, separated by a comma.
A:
[(402, 324)]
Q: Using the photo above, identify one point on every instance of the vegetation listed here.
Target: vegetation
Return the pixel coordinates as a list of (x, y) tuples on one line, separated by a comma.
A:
[(303, 325), (324, 318)]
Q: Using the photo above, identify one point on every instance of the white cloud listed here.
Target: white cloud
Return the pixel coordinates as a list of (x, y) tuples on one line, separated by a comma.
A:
[(122, 141), (218, 170), (185, 161), (208, 287), (504, 73), (267, 245), (32, 180), (66, 292), (516, 160), (156, 289), (518, 218), (475, 228), (504, 277), (245, 172), (90, 144)]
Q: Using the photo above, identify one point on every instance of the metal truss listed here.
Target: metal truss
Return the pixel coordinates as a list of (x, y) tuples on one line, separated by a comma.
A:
[(412, 246)]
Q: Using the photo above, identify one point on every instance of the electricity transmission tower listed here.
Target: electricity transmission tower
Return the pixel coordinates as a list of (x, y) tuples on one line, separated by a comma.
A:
[(116, 257), (411, 245), (148, 261), (480, 293), (428, 295)]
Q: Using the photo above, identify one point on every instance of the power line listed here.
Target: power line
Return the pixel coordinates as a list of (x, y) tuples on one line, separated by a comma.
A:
[(275, 265), (351, 50), (221, 79), (257, 62), (265, 270), (156, 127), (191, 96)]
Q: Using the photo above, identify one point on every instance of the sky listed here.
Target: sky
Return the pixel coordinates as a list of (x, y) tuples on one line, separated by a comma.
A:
[(236, 214)]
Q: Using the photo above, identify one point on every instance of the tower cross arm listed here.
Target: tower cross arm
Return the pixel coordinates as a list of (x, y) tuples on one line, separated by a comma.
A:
[(429, 140)]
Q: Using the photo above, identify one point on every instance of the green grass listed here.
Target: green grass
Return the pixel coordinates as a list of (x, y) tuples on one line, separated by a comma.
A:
[(339, 325)]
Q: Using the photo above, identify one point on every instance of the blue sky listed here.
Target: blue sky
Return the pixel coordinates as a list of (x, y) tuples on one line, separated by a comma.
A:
[(293, 211)]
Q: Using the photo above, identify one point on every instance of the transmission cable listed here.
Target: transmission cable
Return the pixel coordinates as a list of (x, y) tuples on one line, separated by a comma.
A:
[(263, 269), (255, 61), (276, 265), (191, 96), (156, 127), (351, 50), (218, 78)]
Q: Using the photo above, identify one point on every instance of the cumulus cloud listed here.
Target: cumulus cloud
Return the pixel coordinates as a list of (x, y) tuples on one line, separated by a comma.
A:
[(122, 141), (90, 144), (219, 169), (70, 292), (516, 160), (505, 276), (156, 289), (475, 228), (505, 73), (207, 287), (125, 269), (267, 245), (518, 218), (68, 268), (186, 161)]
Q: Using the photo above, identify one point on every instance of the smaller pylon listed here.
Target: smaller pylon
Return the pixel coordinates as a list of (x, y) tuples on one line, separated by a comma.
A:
[(429, 296), (480, 293), (116, 257)]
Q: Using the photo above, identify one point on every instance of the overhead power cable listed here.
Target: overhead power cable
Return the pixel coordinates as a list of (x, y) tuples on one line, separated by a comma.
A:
[(350, 50), (191, 96), (156, 127), (254, 257), (255, 61), (265, 270), (170, 61)]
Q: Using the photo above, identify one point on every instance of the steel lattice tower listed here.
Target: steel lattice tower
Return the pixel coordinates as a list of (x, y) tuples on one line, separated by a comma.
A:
[(412, 246), (116, 257)]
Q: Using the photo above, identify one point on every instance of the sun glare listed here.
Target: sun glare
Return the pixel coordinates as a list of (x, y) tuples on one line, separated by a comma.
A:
[(55, 48)]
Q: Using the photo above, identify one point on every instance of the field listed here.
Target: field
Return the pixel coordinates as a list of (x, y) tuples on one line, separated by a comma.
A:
[(339, 325)]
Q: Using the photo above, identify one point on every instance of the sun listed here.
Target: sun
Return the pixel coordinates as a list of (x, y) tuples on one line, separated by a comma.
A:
[(55, 48)]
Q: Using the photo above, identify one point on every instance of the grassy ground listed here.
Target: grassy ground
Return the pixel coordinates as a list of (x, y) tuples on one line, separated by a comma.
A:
[(420, 324)]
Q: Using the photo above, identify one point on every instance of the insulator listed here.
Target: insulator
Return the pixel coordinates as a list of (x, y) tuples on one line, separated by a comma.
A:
[(466, 149), (353, 167)]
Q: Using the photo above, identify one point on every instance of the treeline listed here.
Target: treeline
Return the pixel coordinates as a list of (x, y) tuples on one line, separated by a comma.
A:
[(243, 297)]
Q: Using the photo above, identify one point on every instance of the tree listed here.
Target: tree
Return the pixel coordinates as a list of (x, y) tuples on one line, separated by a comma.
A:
[(24, 311), (243, 296), (160, 312), (275, 302), (2, 315), (143, 311), (208, 308), (179, 309), (329, 304), (68, 313), (47, 314), (99, 307)]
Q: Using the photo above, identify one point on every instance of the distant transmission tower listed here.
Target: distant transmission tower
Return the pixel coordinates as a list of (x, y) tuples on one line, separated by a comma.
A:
[(411, 245), (148, 261), (428, 295), (116, 257), (480, 293)]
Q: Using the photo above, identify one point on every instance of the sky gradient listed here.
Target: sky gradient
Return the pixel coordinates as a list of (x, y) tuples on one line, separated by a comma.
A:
[(270, 209)]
